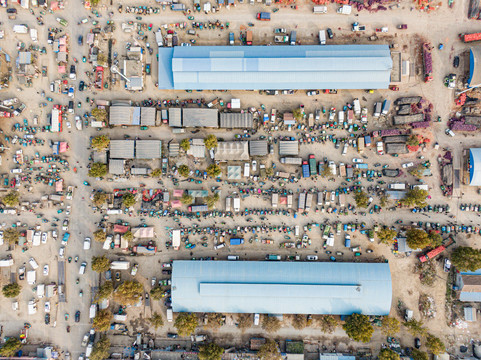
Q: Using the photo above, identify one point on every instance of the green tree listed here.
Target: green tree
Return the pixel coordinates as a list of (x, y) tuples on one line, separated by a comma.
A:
[(185, 144), (186, 199), (415, 197), (100, 142), (100, 264), (128, 236), (361, 199), (210, 142), (299, 321), (326, 171), (386, 235), (328, 323), (269, 171), (128, 199), (384, 200), (415, 328), (11, 199), (99, 114), (11, 290), (99, 199), (186, 323), (466, 258), (105, 291), (10, 347), (390, 326), (244, 322), (269, 351), (216, 320), (297, 113), (417, 171), (100, 235), (156, 293), (129, 292), (210, 352), (156, 320), (102, 320), (98, 170), (184, 170), (358, 328), (271, 324), (419, 355), (101, 349), (435, 238), (417, 239), (156, 173), (11, 236), (435, 345), (413, 140), (388, 354), (211, 200), (213, 170)]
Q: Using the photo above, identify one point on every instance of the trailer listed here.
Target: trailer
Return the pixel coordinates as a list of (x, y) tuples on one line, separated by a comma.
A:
[(308, 202), (248, 37), (289, 201), (386, 105), (120, 265), (428, 62), (312, 165), (293, 38), (274, 200), (305, 169), (236, 241), (357, 107), (470, 37), (320, 196), (360, 145), (435, 252), (236, 205), (301, 202), (291, 160), (377, 109), (176, 239)]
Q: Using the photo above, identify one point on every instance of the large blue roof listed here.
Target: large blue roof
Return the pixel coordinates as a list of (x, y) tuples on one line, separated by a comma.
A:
[(270, 287), (275, 67), (475, 167)]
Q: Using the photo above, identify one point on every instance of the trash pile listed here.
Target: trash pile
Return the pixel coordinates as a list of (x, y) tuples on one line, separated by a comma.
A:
[(427, 307)]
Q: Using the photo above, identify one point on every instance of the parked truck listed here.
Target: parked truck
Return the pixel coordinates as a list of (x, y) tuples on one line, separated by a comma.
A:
[(322, 37), (231, 38), (470, 37), (248, 37), (120, 265), (360, 145), (291, 160), (308, 202), (312, 165), (301, 202), (428, 62), (264, 16), (293, 38), (386, 105), (305, 169), (281, 39)]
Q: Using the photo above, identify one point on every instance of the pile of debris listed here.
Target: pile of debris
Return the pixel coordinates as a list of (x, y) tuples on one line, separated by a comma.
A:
[(427, 307)]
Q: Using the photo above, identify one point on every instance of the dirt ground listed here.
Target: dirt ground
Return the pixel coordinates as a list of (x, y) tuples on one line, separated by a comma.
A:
[(440, 26)]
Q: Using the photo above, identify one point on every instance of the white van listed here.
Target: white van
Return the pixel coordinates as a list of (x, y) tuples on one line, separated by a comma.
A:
[(33, 263), (247, 169), (87, 243), (170, 315), (233, 257), (257, 319), (219, 246), (322, 37), (81, 271)]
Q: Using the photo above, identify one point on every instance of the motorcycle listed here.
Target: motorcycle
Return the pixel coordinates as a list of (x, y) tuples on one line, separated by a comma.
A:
[(66, 316), (69, 259), (76, 259), (68, 329), (78, 280), (81, 293)]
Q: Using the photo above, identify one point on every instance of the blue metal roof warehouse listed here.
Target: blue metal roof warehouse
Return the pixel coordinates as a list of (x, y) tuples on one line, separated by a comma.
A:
[(275, 67), (270, 287)]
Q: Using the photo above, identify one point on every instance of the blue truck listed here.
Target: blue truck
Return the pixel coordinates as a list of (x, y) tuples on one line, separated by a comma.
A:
[(305, 169), (236, 241), (264, 16)]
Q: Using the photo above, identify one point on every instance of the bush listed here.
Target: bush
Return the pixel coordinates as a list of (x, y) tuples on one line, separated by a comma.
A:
[(11, 236), (358, 328), (128, 199), (186, 323), (419, 355), (417, 239), (184, 170), (10, 347), (128, 236), (98, 170), (388, 354), (328, 323), (186, 199), (210, 142), (390, 326), (101, 142), (99, 115), (100, 264), (156, 293), (244, 322), (386, 235), (326, 171), (11, 199), (100, 235), (210, 352), (213, 170), (211, 200), (102, 320), (11, 290), (216, 320), (185, 144), (129, 292), (101, 350), (415, 197), (156, 173), (271, 324), (299, 321), (269, 351), (415, 328), (156, 320), (435, 345)]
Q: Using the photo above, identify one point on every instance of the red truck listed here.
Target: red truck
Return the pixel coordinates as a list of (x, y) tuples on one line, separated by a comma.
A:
[(470, 37), (435, 252), (264, 16)]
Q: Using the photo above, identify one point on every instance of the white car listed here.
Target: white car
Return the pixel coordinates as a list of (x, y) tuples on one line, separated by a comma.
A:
[(33, 263), (81, 271), (357, 160), (44, 238), (450, 132), (54, 234), (1, 237), (61, 252), (45, 270), (69, 125), (407, 165), (87, 243), (134, 270), (47, 306), (254, 165), (219, 246), (65, 225), (312, 257), (256, 319)]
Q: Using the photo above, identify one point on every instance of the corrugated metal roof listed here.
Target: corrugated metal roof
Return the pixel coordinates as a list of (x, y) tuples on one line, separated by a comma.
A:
[(175, 117), (288, 147), (121, 115), (196, 117), (147, 116), (270, 287), (275, 67), (396, 148), (469, 314), (174, 148), (197, 151), (231, 150), (233, 172), (148, 149), (236, 120), (258, 147), (475, 167), (117, 167), (336, 356), (122, 149), (139, 171)]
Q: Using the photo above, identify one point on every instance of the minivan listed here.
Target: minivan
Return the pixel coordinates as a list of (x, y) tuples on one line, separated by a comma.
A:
[(33, 263), (81, 271), (219, 246), (233, 257)]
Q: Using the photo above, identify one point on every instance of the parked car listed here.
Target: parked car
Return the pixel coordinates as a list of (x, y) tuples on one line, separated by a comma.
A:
[(172, 336), (166, 272), (312, 257), (80, 40), (456, 62), (77, 316), (330, 34), (81, 86), (417, 343), (45, 270)]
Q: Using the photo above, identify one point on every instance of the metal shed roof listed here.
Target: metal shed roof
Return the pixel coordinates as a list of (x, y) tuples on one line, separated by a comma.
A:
[(117, 167), (474, 66), (396, 148), (175, 117), (122, 149), (288, 147), (236, 120), (121, 115), (475, 167), (233, 172), (271, 287), (258, 147), (147, 116), (275, 67), (148, 149), (192, 117), (231, 150)]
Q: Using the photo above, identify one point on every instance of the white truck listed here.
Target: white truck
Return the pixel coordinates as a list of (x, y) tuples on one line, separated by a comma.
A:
[(170, 315), (159, 38), (236, 204), (322, 37), (31, 277), (120, 265), (357, 107), (34, 35), (176, 239), (345, 10)]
